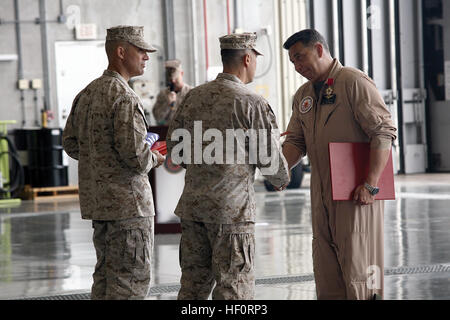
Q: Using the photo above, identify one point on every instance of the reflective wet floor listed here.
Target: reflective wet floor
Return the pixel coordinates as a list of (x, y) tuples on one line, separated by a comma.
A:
[(46, 250)]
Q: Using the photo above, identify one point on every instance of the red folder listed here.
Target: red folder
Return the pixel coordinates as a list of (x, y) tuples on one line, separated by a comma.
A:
[(349, 165), (160, 146)]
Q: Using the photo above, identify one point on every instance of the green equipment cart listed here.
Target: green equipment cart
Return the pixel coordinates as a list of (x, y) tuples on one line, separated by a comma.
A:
[(5, 197)]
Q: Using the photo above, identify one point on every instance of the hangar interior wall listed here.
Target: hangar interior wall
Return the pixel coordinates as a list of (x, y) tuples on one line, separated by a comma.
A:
[(190, 21), (437, 66), (384, 39), (381, 37)]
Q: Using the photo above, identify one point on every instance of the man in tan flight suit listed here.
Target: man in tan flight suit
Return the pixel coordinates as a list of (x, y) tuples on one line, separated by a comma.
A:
[(217, 207), (106, 132), (339, 104), (170, 98)]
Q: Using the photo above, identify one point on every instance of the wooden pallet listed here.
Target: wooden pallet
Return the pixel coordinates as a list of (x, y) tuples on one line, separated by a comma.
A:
[(30, 193)]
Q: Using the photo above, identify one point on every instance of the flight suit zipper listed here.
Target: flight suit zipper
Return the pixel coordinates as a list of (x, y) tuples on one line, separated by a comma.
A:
[(316, 109)]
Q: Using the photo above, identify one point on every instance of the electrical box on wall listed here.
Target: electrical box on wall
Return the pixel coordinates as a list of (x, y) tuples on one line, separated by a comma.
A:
[(87, 31), (23, 84), (36, 84)]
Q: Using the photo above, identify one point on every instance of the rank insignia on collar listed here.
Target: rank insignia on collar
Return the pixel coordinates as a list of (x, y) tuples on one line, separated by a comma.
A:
[(306, 105)]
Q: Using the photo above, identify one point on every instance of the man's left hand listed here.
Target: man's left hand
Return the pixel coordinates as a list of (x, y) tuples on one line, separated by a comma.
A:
[(280, 188), (160, 158), (362, 196)]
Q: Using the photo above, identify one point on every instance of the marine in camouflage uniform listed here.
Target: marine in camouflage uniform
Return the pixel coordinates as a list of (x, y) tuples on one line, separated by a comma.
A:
[(217, 206), (163, 110), (105, 132)]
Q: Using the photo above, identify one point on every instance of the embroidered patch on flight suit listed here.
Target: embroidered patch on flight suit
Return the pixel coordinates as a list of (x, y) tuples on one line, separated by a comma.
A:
[(306, 105)]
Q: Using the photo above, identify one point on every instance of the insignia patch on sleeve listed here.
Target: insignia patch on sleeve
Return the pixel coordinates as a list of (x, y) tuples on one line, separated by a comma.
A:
[(306, 105)]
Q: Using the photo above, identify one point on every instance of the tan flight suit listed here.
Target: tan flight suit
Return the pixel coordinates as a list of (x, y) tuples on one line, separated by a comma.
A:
[(105, 132), (217, 206), (347, 238), (162, 111)]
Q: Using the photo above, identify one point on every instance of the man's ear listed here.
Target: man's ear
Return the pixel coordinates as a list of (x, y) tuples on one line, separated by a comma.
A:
[(319, 49), (247, 58), (120, 51)]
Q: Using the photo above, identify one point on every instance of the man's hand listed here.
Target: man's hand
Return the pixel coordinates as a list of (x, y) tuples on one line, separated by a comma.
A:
[(284, 186), (362, 196), (378, 159), (160, 158), (281, 188)]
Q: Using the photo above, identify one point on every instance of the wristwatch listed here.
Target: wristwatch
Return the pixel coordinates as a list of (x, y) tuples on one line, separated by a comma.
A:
[(372, 190)]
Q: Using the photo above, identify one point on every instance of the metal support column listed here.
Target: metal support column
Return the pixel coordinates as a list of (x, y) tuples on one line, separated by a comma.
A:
[(44, 44), (169, 29)]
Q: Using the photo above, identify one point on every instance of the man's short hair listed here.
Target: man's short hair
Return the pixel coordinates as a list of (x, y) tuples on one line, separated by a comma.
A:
[(307, 37), (172, 73), (111, 46), (174, 63), (233, 57)]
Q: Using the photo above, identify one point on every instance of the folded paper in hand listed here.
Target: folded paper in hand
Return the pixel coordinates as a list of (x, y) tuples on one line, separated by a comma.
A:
[(349, 165), (152, 140), (161, 147)]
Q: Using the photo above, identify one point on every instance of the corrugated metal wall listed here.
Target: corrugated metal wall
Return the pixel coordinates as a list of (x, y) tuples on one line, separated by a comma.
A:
[(383, 38)]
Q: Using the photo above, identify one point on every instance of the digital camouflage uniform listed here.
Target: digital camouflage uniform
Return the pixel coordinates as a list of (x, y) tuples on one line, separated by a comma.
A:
[(105, 132), (217, 206), (347, 237), (162, 111)]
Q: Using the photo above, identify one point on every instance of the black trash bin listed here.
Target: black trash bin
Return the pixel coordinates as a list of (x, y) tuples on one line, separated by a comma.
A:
[(45, 166)]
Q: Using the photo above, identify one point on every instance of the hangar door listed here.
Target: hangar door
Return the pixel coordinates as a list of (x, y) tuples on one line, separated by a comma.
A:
[(384, 39), (77, 64)]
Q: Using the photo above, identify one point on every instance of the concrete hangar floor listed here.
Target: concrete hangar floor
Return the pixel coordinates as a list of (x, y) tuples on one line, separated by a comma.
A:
[(46, 249)]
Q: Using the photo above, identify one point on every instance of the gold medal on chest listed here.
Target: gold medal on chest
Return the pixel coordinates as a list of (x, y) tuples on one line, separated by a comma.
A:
[(329, 93), (329, 97)]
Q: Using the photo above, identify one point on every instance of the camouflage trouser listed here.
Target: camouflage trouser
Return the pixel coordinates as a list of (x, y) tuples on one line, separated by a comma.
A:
[(124, 250), (220, 253)]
